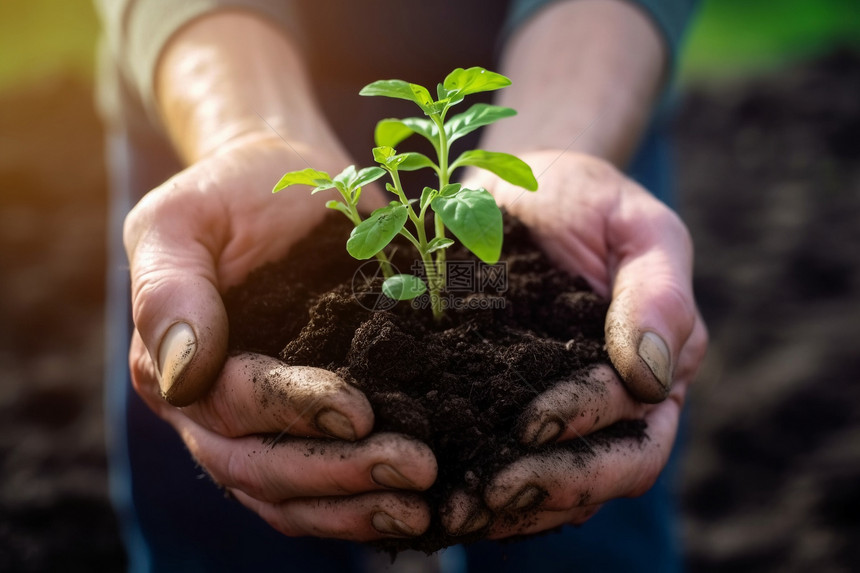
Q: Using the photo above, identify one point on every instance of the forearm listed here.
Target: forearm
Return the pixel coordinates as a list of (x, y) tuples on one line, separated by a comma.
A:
[(585, 74), (231, 74)]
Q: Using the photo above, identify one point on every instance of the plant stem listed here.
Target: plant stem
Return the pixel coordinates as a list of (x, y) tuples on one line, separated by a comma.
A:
[(439, 270)]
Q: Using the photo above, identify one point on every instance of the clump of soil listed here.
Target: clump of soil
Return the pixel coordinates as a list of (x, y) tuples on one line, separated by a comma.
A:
[(459, 385)]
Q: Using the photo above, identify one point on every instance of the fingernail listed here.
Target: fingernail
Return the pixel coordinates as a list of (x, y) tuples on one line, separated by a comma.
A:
[(387, 476), (527, 497), (477, 520), (654, 351), (335, 424), (175, 352), (387, 525), (547, 433)]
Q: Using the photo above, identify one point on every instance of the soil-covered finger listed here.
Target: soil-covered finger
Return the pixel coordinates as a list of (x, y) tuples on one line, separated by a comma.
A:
[(653, 310), (464, 514), (276, 470), (592, 400), (257, 394), (622, 460), (367, 517)]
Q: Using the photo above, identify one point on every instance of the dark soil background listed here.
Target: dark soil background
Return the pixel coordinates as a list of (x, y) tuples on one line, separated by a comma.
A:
[(770, 187)]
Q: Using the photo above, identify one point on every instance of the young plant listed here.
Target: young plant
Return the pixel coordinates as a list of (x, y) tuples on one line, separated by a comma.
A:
[(471, 215)]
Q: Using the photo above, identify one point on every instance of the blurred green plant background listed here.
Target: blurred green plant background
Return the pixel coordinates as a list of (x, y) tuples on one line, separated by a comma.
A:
[(731, 38)]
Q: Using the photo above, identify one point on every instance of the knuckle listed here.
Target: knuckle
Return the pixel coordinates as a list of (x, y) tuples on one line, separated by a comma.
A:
[(644, 481), (239, 475), (215, 412)]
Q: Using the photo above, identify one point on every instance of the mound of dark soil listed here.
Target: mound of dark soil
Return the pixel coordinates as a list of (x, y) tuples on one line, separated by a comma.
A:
[(459, 385)]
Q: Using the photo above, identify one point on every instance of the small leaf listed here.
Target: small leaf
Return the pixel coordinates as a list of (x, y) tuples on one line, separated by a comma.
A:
[(339, 185), (475, 219), (437, 243), (477, 116), (367, 175), (462, 82), (450, 189), (390, 132), (403, 287), (319, 179), (400, 90), (511, 169), (427, 195), (423, 127), (388, 157), (382, 153), (413, 161), (345, 177), (339, 206), (374, 233)]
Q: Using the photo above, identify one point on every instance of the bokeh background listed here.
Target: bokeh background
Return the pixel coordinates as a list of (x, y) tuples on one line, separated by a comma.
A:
[(768, 143)]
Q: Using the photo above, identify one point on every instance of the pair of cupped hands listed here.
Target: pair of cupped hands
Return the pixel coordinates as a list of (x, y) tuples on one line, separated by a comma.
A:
[(206, 228)]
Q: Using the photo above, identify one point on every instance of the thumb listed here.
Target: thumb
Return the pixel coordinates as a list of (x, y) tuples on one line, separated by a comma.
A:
[(653, 313), (176, 305)]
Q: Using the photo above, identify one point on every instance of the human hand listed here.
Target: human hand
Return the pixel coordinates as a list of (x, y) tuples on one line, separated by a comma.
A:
[(189, 240), (595, 222)]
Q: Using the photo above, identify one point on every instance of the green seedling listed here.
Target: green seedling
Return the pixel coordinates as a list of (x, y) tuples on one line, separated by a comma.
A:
[(471, 215)]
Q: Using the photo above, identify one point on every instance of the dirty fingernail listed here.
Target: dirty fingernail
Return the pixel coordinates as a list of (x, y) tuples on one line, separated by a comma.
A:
[(175, 352), (655, 353), (528, 497), (387, 476), (335, 424), (476, 521), (547, 433), (387, 525)]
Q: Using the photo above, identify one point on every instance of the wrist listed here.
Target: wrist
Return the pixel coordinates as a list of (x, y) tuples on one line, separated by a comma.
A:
[(585, 77), (231, 76)]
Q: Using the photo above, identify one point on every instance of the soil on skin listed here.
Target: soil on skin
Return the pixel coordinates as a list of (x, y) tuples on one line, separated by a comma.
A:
[(459, 385)]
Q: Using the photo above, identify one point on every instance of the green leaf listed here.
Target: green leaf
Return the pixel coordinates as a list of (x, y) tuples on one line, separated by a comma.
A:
[(437, 243), (388, 157), (477, 116), (427, 195), (423, 127), (382, 153), (345, 176), (339, 206), (450, 189), (461, 83), (511, 169), (374, 233), (319, 179), (400, 90), (367, 175), (390, 132), (413, 161), (474, 218), (403, 287)]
